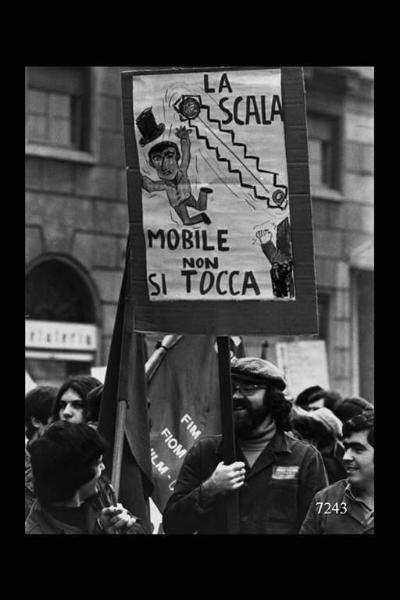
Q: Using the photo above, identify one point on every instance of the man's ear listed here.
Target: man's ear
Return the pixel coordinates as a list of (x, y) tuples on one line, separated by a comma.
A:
[(35, 422)]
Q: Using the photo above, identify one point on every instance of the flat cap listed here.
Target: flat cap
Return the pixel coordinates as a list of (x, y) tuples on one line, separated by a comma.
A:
[(327, 418), (257, 370)]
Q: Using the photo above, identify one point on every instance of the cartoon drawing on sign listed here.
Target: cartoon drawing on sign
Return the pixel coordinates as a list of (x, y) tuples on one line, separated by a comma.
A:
[(205, 196), (280, 257), (189, 107), (164, 157), (148, 127)]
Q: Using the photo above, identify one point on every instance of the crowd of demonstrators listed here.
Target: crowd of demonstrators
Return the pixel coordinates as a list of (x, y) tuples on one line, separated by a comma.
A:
[(67, 466), (301, 467), (347, 506), (38, 412), (275, 475), (91, 506)]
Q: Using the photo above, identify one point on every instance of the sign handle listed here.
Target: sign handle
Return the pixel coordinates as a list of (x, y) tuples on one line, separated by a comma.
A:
[(228, 434), (118, 446)]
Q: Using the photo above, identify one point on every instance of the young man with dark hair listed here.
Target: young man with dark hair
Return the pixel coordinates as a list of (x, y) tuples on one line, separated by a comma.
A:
[(67, 465), (347, 506), (275, 475), (71, 402)]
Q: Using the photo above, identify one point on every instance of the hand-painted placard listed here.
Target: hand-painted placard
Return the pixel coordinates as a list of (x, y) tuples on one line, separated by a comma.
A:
[(217, 185)]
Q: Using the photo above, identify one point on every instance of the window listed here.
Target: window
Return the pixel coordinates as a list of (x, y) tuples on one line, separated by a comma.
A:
[(55, 292), (323, 149), (58, 103)]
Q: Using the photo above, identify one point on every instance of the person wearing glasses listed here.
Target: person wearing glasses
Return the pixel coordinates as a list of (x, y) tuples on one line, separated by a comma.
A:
[(275, 475)]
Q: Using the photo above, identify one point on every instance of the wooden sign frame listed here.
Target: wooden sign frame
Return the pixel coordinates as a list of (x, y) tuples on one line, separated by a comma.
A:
[(229, 317)]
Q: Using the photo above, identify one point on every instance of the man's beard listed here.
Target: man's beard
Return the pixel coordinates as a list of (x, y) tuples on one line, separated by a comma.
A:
[(246, 423)]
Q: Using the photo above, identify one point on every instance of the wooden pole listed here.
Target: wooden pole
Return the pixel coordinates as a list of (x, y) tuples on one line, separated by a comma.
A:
[(124, 359), (156, 358), (228, 433), (118, 446), (150, 368)]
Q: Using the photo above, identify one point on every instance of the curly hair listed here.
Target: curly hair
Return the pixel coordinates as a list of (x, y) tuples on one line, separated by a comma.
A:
[(279, 407), (361, 422)]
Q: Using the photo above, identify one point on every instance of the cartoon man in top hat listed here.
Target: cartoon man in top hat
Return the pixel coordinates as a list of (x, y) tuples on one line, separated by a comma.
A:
[(164, 157)]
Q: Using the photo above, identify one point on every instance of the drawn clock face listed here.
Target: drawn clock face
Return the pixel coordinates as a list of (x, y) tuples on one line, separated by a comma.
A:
[(188, 106)]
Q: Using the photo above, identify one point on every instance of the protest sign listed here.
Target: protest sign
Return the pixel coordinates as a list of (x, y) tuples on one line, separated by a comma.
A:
[(304, 363), (219, 204)]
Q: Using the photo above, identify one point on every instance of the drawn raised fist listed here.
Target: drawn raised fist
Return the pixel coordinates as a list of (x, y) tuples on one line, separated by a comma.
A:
[(264, 236), (182, 133)]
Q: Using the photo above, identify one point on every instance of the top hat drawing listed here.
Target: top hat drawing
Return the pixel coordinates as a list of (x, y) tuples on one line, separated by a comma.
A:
[(148, 127)]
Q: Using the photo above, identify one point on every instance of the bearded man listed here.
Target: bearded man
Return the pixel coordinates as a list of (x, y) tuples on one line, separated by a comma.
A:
[(275, 475)]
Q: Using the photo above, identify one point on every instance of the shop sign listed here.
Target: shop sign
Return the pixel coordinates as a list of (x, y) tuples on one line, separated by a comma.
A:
[(63, 336)]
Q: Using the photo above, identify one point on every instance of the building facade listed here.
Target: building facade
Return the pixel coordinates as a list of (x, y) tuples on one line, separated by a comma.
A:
[(77, 219)]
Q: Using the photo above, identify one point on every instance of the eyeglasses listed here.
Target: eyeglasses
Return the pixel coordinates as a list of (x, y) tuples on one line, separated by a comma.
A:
[(246, 388)]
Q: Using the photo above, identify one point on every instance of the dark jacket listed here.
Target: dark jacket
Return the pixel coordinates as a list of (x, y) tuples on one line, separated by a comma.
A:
[(29, 492), (41, 521), (275, 497), (335, 510)]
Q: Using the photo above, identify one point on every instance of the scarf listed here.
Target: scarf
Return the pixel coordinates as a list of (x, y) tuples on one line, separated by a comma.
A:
[(253, 447)]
